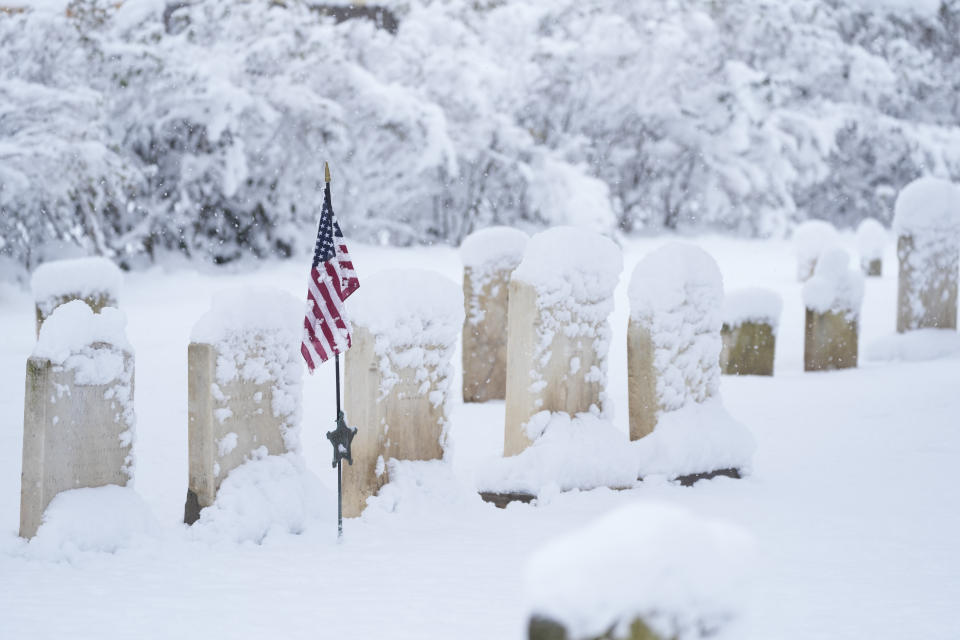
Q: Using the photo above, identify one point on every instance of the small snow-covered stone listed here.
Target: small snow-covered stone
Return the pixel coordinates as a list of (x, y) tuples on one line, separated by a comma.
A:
[(658, 565), (752, 305), (872, 238), (834, 286)]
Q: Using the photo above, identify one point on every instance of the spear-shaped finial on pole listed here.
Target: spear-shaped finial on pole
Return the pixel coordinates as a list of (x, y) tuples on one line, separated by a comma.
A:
[(326, 172)]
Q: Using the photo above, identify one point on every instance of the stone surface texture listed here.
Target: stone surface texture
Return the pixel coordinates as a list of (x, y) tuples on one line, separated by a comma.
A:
[(830, 340), (485, 335), (748, 349), (927, 285), (74, 435)]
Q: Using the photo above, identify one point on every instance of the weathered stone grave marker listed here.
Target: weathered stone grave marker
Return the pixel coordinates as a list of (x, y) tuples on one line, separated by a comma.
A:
[(244, 373), (489, 258), (832, 298), (78, 425), (927, 224), (398, 373), (96, 281), (558, 338), (749, 332)]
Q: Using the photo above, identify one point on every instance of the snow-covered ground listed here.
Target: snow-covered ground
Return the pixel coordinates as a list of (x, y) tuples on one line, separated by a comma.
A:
[(853, 501)]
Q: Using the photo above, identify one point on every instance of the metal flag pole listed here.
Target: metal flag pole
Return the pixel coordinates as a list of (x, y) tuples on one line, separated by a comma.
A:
[(336, 364)]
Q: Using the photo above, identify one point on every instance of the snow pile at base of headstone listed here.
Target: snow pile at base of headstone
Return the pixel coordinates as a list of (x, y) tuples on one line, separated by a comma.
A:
[(486, 253), (752, 305), (101, 519), (574, 273), (422, 487), (257, 334), (676, 293), (583, 452), (81, 277), (928, 206), (94, 347), (263, 497), (872, 238), (915, 346), (809, 240), (834, 286), (685, 576), (698, 438), (415, 317)]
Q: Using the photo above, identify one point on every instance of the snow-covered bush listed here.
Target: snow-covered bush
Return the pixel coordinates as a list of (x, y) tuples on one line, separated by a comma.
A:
[(140, 127)]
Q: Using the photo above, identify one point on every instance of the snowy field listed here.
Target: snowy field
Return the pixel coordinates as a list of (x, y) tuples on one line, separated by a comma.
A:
[(853, 498)]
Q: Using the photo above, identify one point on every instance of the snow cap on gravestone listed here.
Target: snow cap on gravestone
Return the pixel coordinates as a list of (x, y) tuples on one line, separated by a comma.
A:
[(928, 206), (571, 263)]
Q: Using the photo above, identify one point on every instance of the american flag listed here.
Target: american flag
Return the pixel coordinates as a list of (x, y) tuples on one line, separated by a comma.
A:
[(326, 329)]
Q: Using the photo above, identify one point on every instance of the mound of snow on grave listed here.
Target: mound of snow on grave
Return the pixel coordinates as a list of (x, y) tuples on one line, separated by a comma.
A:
[(415, 317), (698, 438), (583, 452), (257, 334), (927, 206), (81, 277), (266, 496), (752, 305), (102, 519), (834, 286), (684, 575), (872, 238), (422, 487), (809, 240), (676, 293), (913, 346)]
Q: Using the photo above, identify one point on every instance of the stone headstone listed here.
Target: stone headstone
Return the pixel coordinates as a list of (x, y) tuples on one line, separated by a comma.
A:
[(96, 281), (927, 224), (810, 238), (749, 332), (673, 339), (832, 297), (244, 373), (642, 572), (489, 258), (871, 242), (78, 426), (558, 335), (405, 326)]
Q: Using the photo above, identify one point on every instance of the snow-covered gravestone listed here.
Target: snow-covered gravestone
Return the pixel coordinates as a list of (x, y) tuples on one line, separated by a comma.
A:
[(832, 298), (927, 223), (96, 281), (749, 332), (244, 373), (643, 572), (558, 335), (810, 239), (489, 257), (871, 241), (673, 341), (78, 422), (397, 375)]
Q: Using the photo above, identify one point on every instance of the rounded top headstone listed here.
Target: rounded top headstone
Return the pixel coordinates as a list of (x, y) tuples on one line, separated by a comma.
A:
[(927, 206), (493, 248), (752, 305), (672, 276), (571, 263), (250, 310), (409, 306)]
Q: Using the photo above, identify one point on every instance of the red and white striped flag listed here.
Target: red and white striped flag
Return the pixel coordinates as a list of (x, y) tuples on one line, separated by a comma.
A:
[(326, 329)]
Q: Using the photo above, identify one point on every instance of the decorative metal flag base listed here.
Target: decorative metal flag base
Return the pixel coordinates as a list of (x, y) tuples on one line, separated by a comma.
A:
[(341, 438)]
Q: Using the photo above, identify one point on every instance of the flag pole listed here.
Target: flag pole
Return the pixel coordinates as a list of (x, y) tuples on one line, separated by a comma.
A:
[(336, 364)]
